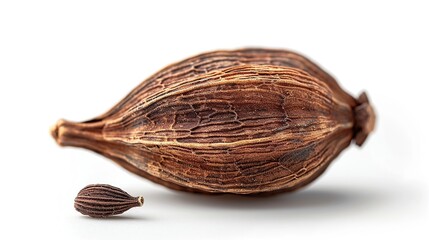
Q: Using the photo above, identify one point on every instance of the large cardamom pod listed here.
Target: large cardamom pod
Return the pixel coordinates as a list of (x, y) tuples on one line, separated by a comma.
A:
[(246, 121)]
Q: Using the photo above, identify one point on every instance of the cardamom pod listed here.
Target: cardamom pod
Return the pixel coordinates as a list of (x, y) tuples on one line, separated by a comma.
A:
[(244, 122), (103, 200)]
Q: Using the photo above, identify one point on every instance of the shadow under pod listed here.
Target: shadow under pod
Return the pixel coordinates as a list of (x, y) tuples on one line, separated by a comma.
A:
[(309, 198), (124, 217)]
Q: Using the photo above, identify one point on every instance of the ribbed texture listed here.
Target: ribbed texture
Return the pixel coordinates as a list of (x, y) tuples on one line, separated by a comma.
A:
[(245, 122), (103, 200)]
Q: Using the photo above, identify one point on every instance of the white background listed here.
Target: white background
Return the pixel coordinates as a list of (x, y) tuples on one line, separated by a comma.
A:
[(76, 59)]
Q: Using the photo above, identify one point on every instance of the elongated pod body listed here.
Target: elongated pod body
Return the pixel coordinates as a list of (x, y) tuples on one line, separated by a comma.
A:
[(244, 122)]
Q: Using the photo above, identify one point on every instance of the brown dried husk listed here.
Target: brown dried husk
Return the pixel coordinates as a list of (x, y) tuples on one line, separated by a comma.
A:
[(244, 122), (103, 200)]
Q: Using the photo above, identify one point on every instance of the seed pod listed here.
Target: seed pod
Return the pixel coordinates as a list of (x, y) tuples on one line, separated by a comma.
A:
[(103, 200), (244, 122)]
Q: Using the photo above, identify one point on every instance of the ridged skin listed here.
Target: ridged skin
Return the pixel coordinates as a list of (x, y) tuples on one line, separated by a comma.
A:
[(218, 60), (103, 200), (246, 122)]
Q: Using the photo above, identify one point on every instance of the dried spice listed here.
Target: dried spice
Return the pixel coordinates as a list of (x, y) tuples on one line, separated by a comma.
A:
[(103, 200), (245, 122)]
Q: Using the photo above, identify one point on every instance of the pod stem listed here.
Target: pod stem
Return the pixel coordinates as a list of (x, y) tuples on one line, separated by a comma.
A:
[(364, 119), (140, 199), (83, 134)]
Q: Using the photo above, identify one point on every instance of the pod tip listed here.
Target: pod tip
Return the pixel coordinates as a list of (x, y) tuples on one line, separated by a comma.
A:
[(140, 199), (56, 131), (365, 119)]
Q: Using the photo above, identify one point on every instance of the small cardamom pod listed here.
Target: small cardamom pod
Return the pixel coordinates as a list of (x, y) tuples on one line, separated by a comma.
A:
[(103, 200), (245, 122)]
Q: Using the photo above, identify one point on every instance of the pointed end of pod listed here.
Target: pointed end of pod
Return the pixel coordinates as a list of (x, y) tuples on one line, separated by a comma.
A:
[(140, 200), (57, 131), (83, 134), (364, 119)]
